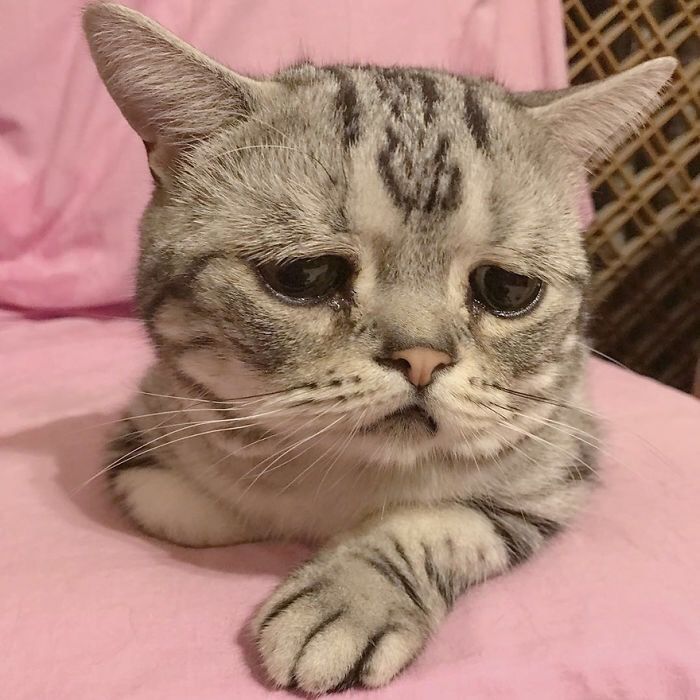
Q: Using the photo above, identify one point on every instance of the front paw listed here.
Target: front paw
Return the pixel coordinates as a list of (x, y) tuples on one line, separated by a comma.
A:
[(354, 616)]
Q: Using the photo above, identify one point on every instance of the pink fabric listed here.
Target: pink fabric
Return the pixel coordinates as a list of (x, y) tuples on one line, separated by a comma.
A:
[(73, 177), (89, 609)]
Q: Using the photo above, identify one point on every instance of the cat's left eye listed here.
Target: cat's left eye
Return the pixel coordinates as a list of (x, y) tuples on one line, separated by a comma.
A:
[(308, 279), (504, 293)]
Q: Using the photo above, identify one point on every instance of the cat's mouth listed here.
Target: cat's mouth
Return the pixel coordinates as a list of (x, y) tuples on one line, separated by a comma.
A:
[(409, 418)]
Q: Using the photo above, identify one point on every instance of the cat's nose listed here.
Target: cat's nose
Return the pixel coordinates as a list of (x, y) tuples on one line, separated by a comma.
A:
[(419, 364)]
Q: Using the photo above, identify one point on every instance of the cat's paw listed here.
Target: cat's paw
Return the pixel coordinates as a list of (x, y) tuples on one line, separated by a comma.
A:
[(354, 616)]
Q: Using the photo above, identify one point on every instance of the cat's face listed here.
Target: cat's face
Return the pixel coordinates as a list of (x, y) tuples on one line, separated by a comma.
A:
[(443, 224), (397, 252)]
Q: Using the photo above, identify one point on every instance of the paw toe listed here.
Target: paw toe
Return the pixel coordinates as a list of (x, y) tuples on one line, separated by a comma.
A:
[(328, 657), (390, 655)]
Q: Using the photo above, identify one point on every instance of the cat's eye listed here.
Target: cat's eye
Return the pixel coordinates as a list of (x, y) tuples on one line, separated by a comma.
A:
[(308, 279), (504, 293)]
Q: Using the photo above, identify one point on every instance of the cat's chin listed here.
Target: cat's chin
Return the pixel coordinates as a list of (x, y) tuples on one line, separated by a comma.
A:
[(400, 441), (411, 423)]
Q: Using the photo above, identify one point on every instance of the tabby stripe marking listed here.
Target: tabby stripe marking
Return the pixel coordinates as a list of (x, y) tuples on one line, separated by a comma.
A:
[(287, 602), (517, 548), (544, 526), (129, 442), (475, 116), (346, 104), (194, 387), (402, 553), (381, 563), (435, 578), (315, 631), (582, 471), (355, 675), (180, 287)]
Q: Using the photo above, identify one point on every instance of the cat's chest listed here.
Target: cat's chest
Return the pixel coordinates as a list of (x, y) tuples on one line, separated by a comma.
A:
[(318, 496)]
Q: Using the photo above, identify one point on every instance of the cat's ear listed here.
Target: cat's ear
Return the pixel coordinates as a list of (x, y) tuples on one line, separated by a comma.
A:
[(591, 120), (169, 92)]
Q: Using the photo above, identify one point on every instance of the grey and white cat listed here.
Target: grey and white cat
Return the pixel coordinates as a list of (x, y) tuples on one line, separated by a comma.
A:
[(366, 291)]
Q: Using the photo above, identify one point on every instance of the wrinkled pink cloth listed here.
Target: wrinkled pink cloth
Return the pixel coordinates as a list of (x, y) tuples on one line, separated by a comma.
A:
[(90, 609), (73, 177)]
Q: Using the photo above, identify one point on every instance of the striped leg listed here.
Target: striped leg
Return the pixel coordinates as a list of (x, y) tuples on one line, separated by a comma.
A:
[(361, 611)]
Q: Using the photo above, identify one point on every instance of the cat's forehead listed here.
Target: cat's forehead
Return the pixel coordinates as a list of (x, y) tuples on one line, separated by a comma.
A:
[(428, 156), (414, 164)]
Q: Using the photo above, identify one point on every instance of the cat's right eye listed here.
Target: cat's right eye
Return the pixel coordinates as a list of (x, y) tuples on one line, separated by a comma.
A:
[(308, 279)]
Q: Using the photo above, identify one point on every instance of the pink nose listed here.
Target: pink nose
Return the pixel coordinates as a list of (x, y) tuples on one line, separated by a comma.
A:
[(419, 364)]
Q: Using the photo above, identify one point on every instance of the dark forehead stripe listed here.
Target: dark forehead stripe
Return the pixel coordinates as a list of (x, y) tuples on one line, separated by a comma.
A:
[(401, 88), (346, 104), (388, 169), (414, 162), (475, 116), (430, 96), (394, 89), (446, 187), (431, 186)]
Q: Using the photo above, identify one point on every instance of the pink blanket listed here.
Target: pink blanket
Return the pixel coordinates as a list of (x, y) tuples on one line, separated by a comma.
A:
[(91, 609)]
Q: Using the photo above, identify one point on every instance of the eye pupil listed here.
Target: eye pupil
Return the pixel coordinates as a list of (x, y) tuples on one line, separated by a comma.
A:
[(308, 279), (502, 292)]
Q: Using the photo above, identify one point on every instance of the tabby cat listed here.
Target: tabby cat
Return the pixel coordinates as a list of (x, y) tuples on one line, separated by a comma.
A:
[(365, 288)]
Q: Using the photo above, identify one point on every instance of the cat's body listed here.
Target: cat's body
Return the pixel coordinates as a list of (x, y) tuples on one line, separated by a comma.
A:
[(425, 412)]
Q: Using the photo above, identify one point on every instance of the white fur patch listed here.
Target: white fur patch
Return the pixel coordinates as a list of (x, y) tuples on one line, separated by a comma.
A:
[(167, 506)]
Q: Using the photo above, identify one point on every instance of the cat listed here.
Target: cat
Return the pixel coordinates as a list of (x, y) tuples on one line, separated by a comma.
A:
[(366, 289)]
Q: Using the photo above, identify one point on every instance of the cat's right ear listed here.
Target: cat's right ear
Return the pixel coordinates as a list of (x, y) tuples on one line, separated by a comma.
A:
[(170, 93), (592, 119)]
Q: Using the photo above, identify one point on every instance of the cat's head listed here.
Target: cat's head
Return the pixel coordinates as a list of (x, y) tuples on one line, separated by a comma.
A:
[(396, 251)]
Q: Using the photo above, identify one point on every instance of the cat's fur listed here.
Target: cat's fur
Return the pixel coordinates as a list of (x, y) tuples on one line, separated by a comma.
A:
[(417, 176)]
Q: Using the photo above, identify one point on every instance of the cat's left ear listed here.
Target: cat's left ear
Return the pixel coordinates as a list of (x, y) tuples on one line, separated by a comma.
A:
[(591, 120)]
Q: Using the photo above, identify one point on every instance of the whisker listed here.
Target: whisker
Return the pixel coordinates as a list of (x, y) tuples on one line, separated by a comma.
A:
[(600, 448), (539, 438), (297, 430), (138, 451), (603, 355), (193, 409), (598, 416), (552, 423), (120, 461), (234, 400), (503, 423), (537, 397), (562, 428), (241, 448), (282, 147), (341, 449), (197, 423), (310, 466), (368, 462), (262, 122), (269, 468), (194, 424), (185, 409)]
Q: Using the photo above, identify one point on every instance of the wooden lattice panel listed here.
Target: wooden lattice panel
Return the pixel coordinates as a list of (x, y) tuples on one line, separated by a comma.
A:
[(645, 241)]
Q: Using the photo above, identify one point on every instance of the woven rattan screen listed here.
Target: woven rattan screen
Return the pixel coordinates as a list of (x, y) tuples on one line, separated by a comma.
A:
[(645, 240)]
